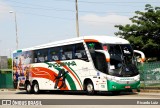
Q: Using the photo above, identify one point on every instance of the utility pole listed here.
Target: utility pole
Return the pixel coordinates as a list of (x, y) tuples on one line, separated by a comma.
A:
[(0, 47), (77, 23), (15, 28)]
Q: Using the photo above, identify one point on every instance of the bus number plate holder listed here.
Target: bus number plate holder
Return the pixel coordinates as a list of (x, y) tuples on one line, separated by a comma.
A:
[(127, 86)]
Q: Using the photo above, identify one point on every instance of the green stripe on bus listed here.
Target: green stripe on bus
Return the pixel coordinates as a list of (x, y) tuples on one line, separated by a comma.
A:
[(114, 86), (76, 74), (71, 82)]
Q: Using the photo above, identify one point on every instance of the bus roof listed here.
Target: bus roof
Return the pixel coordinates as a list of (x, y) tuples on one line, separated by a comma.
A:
[(101, 39), (107, 39)]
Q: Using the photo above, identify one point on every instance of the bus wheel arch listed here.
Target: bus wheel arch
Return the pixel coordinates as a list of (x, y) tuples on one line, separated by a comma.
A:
[(35, 86), (88, 86)]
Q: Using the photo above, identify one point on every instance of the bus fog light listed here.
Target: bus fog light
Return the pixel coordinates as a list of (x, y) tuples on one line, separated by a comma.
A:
[(113, 86)]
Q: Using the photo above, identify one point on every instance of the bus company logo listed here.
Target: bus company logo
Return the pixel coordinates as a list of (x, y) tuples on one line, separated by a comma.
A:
[(60, 64), (6, 102), (125, 79)]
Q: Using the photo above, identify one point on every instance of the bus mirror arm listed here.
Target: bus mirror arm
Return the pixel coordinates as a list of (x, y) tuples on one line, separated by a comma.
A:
[(107, 55), (142, 55), (101, 51)]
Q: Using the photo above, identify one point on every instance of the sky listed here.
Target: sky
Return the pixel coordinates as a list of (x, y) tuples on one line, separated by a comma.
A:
[(44, 21)]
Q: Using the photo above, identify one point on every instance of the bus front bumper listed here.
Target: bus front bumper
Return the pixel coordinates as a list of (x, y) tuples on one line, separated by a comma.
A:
[(114, 86)]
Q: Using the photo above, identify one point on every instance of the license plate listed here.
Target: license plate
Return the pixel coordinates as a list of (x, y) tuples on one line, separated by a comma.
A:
[(127, 86)]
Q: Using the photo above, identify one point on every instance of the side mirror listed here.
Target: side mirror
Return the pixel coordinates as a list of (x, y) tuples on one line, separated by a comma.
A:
[(141, 54), (105, 53)]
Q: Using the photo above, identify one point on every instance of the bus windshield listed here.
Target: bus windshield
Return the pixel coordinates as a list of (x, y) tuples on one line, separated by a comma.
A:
[(122, 61)]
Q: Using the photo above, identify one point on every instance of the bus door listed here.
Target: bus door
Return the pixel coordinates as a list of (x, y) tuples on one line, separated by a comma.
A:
[(100, 60)]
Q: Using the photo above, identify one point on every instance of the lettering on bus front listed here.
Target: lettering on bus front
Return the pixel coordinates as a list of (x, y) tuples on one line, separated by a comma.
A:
[(60, 64)]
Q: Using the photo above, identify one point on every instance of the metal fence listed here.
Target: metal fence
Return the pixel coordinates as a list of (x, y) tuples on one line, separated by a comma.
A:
[(6, 78), (150, 75)]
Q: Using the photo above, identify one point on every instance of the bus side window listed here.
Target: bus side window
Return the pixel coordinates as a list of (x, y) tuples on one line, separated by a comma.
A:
[(67, 52), (94, 46), (35, 57), (100, 62), (80, 52), (41, 56), (54, 54)]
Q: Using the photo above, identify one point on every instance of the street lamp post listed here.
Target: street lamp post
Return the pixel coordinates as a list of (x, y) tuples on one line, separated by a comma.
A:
[(0, 48), (15, 28)]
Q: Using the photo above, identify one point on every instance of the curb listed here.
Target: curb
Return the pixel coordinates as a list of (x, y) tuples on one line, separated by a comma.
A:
[(150, 90), (141, 90), (9, 90)]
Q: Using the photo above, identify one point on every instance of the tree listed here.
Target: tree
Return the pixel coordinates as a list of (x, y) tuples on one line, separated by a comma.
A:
[(144, 32), (9, 63)]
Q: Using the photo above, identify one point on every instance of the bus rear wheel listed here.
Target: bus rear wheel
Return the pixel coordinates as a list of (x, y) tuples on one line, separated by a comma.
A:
[(36, 88), (90, 88)]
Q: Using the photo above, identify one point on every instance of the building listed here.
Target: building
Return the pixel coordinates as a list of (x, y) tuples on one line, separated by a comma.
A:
[(3, 62)]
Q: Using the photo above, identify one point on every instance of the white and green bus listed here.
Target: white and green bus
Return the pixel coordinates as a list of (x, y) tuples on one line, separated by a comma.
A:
[(89, 63)]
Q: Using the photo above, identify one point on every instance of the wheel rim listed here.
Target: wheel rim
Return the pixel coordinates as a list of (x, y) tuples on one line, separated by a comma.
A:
[(36, 88), (28, 87), (89, 87)]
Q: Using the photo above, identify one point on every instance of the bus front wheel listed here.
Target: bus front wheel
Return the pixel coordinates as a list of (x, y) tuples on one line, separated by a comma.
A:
[(90, 88)]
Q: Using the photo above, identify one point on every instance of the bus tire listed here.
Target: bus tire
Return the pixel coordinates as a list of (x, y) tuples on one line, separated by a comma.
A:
[(36, 88), (90, 88), (29, 88)]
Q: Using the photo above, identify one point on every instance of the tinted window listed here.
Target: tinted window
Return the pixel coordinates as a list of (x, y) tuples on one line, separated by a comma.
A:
[(41, 56), (80, 52), (94, 46), (115, 56), (66, 52), (99, 61), (122, 62), (54, 54)]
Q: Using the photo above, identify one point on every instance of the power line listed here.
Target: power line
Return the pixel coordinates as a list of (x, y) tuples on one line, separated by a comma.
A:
[(48, 9), (102, 2), (115, 2), (27, 3), (60, 18), (87, 2), (83, 11), (46, 16)]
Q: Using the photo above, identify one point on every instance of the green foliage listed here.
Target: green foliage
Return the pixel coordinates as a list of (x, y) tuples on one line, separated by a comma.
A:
[(144, 32), (9, 63)]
